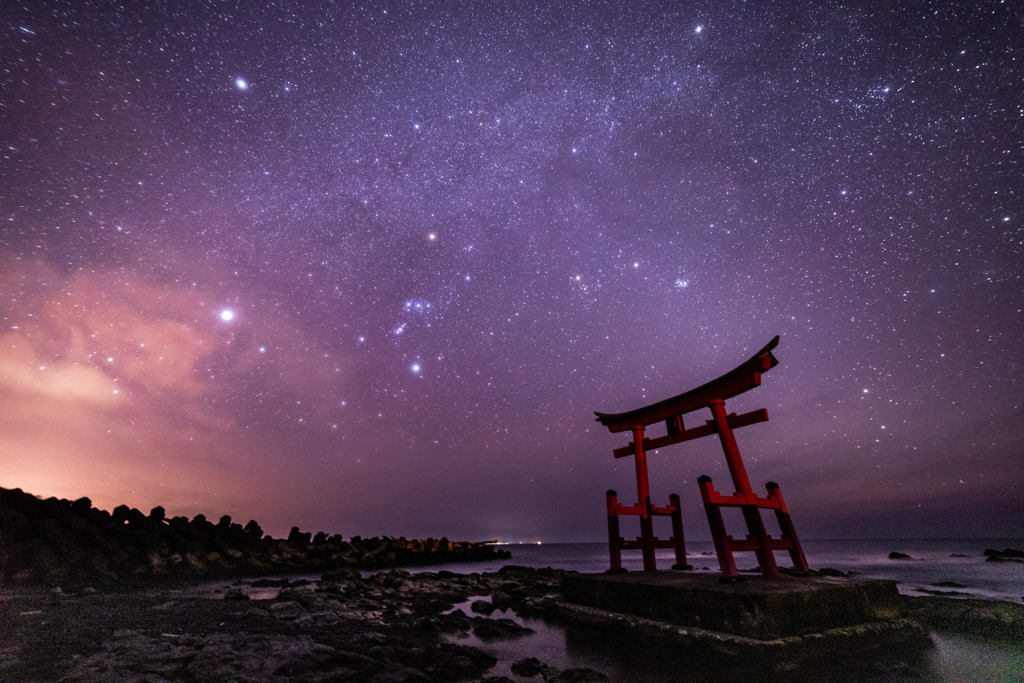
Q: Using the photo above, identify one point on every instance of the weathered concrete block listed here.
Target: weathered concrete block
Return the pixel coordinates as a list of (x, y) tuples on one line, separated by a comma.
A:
[(753, 608)]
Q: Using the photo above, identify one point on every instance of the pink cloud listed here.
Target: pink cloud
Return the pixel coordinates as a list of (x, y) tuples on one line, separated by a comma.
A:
[(116, 387)]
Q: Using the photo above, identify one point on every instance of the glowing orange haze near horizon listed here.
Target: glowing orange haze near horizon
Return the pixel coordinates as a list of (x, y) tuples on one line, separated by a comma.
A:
[(112, 390)]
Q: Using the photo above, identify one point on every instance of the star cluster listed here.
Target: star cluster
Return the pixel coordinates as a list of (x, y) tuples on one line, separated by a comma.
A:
[(371, 268)]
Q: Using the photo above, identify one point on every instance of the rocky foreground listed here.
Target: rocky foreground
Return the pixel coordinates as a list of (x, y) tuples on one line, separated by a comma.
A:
[(383, 627), (391, 626)]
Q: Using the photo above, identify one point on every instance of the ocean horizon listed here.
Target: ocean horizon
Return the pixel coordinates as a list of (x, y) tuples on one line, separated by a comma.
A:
[(934, 561)]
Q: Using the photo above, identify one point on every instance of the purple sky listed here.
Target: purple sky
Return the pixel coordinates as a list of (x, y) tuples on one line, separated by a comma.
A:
[(370, 270)]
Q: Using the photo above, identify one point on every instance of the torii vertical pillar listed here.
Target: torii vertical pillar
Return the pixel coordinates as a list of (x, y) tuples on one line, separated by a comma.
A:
[(751, 514), (643, 495), (647, 542)]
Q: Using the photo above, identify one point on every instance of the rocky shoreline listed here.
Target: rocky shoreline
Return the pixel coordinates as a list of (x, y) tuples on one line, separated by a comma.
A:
[(56, 542), (123, 596), (390, 626), (386, 626)]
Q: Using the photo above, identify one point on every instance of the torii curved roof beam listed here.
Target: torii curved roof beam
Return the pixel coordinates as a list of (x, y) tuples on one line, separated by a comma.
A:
[(744, 377)]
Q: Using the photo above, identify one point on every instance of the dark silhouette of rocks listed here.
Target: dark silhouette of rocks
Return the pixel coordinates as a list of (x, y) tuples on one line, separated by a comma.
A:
[(59, 542), (829, 571), (899, 556), (495, 628), (1005, 555)]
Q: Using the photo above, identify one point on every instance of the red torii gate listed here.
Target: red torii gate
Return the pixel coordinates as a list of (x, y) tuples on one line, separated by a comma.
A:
[(711, 395)]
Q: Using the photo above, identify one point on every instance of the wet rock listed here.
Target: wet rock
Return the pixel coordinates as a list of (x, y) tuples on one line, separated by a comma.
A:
[(828, 571), (441, 662), (391, 578), (236, 594), (451, 623), (517, 569), (453, 662), (283, 610), (501, 599), (529, 667), (537, 606), (1006, 555), (482, 607), (899, 556), (342, 574), (494, 629)]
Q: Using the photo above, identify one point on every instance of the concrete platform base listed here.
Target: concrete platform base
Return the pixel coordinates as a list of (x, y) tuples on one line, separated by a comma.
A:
[(792, 618)]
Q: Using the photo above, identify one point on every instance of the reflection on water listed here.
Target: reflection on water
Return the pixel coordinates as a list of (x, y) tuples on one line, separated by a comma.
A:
[(548, 643)]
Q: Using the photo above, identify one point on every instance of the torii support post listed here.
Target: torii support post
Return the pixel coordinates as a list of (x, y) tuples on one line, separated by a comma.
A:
[(725, 544), (711, 395), (647, 542), (616, 544), (751, 515)]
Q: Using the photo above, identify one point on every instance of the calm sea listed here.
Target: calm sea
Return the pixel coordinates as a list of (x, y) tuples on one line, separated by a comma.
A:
[(935, 561)]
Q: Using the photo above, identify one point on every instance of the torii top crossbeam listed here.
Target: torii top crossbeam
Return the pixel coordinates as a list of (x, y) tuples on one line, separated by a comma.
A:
[(742, 378)]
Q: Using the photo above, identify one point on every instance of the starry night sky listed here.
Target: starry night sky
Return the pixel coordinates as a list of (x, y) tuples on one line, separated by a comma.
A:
[(370, 268)]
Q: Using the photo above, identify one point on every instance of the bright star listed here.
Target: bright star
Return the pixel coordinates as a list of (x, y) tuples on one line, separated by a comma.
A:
[(227, 315), (415, 367), (241, 84)]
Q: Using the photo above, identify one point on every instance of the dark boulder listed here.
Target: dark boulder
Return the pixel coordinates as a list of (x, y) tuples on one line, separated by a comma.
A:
[(482, 607), (899, 556), (529, 667), (494, 629), (1006, 555)]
